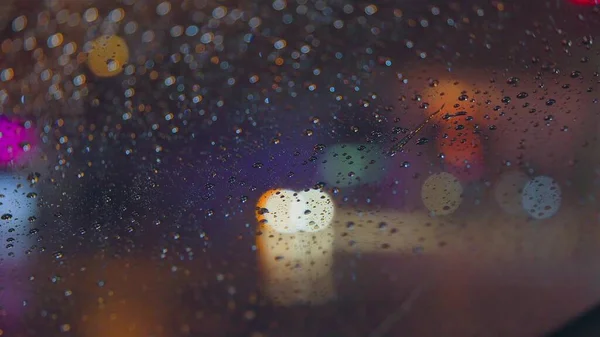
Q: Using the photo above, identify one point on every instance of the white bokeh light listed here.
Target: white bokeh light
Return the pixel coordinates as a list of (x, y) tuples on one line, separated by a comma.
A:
[(542, 197), (295, 246), (317, 210), (288, 211), (281, 210)]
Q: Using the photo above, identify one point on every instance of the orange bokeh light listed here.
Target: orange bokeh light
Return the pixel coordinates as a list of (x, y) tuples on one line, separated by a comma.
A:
[(262, 204), (461, 99)]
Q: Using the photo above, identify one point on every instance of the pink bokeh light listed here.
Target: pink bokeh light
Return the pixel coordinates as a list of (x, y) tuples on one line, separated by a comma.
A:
[(586, 2), (16, 141)]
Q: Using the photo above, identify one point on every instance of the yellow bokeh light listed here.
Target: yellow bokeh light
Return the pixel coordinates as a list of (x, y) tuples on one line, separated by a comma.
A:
[(108, 56), (442, 193)]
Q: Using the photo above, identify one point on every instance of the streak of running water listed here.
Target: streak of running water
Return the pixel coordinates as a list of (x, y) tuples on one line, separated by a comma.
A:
[(400, 144)]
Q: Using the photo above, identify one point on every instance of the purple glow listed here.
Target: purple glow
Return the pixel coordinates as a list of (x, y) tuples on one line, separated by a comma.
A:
[(401, 187), (16, 141), (13, 296)]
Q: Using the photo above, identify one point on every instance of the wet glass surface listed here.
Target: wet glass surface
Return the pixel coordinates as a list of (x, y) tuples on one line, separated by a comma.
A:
[(298, 168)]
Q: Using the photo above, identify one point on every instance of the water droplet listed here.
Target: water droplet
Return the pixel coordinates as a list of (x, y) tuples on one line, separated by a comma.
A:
[(522, 95), (512, 81), (319, 148)]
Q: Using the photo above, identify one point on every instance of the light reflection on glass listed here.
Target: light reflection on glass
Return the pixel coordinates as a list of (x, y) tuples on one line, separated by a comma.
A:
[(18, 210), (295, 246)]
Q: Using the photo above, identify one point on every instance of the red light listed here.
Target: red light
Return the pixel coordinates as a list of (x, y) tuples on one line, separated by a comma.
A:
[(585, 2), (463, 152)]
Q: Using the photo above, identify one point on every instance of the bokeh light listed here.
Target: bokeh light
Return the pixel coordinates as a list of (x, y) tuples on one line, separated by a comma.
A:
[(462, 150), (442, 193), (17, 139), (108, 56), (295, 246), (296, 268), (464, 95), (585, 2), (282, 210), (345, 165), (158, 125), (542, 197), (317, 210), (287, 211)]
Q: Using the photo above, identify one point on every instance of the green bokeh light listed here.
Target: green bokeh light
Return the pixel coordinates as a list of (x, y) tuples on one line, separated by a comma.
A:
[(345, 165)]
